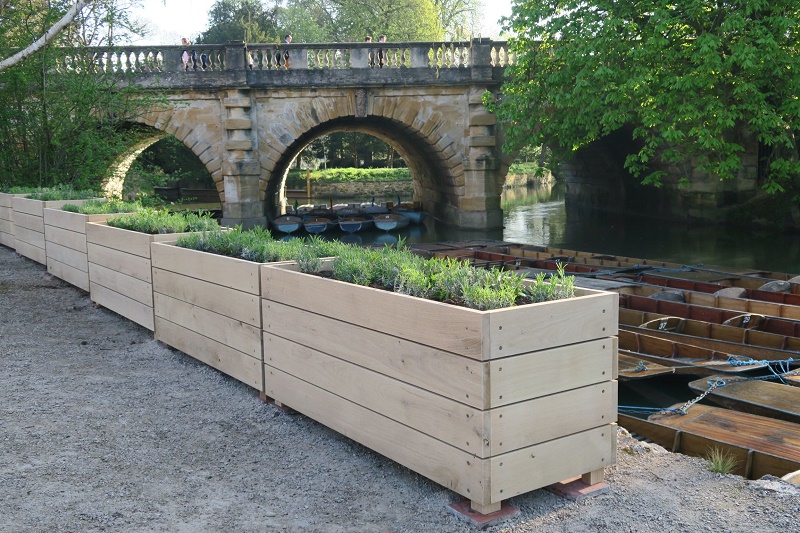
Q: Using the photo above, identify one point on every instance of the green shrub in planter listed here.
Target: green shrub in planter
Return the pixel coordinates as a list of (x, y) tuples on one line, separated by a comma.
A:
[(153, 221), (62, 193), (99, 207)]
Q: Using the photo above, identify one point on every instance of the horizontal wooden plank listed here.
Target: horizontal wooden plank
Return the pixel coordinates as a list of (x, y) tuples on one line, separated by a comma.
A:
[(7, 239), (226, 271), (236, 364), (131, 265), (239, 335), (132, 288), (228, 302), (6, 199), (454, 423), (446, 465), (71, 221), (30, 251), (67, 238), (7, 227), (544, 325), (435, 324), (545, 372), (27, 206), (456, 329), (131, 242), (31, 222), (525, 423), (401, 359), (73, 276), (549, 462), (122, 305), (68, 256)]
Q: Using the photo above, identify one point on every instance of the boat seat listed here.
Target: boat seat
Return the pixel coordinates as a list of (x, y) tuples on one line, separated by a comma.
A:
[(746, 321), (667, 323)]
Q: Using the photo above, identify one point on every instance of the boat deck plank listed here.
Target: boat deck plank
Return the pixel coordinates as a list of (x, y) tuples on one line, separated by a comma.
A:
[(764, 398), (759, 433)]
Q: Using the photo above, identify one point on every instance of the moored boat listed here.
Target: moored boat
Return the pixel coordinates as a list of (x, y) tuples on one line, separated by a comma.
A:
[(287, 224), (317, 225), (390, 221), (760, 445), (756, 396), (352, 224), (415, 216)]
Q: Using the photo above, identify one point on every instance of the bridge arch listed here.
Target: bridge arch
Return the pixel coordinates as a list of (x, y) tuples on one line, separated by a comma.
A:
[(434, 175)]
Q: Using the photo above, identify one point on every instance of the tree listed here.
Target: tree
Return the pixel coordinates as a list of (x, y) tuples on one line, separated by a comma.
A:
[(693, 78), (240, 20), (8, 12), (62, 126)]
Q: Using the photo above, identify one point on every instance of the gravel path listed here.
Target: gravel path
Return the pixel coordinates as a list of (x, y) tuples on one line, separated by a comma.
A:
[(104, 429)]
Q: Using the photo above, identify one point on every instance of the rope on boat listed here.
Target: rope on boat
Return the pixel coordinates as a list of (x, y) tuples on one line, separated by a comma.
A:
[(645, 410), (784, 365)]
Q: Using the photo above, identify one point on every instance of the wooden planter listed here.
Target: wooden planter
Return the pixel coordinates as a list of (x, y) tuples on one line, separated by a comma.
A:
[(66, 246), (208, 306), (29, 225), (489, 404), (7, 219), (120, 272)]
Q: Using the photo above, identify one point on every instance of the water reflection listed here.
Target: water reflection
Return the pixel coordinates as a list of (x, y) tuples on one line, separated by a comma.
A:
[(539, 216)]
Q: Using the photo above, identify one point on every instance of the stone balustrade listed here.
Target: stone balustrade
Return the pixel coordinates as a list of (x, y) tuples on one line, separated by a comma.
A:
[(240, 57)]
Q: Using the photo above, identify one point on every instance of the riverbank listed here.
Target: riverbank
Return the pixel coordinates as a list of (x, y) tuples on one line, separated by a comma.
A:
[(104, 429)]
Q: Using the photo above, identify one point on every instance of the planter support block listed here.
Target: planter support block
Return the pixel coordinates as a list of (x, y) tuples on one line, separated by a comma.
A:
[(463, 510), (575, 489)]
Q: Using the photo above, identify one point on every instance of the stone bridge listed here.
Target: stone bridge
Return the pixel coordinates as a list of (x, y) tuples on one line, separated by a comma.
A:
[(247, 112)]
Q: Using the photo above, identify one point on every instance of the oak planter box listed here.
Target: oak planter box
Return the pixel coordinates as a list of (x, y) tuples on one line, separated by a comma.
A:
[(66, 245), (7, 219), (120, 272), (28, 221), (208, 306), (489, 404)]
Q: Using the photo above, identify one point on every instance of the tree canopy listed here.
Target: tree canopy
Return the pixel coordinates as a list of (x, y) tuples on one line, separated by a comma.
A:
[(240, 20), (693, 78)]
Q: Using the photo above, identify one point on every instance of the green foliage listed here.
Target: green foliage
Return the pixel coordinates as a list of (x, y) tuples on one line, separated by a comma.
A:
[(557, 287), (694, 80), (720, 461), (155, 221), (297, 178), (240, 20), (525, 168), (99, 207), (62, 193)]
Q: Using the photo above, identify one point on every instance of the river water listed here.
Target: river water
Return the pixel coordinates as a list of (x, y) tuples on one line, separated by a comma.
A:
[(539, 216)]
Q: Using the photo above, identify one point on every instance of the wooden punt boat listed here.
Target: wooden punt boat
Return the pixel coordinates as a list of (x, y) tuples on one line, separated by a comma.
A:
[(710, 271), (759, 397), (741, 305), (352, 224), (390, 221), (771, 324), (711, 288), (749, 342), (761, 445), (683, 358), (632, 367), (287, 224), (317, 225)]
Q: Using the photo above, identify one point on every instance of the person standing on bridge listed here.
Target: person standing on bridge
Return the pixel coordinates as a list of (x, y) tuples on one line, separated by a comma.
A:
[(283, 58), (185, 54), (370, 55), (381, 53)]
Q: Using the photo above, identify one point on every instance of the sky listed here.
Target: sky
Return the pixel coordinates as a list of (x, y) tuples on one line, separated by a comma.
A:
[(187, 18)]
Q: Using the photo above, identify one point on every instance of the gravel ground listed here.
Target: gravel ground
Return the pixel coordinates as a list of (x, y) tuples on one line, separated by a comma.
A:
[(104, 429)]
